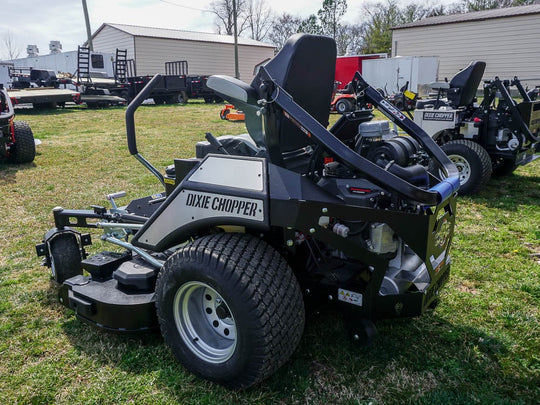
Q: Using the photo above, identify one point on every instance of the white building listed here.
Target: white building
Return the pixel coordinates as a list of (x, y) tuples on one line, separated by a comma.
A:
[(205, 53), (507, 39)]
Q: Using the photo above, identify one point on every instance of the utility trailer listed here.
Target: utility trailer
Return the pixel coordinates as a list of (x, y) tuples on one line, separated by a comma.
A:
[(39, 87), (197, 88), (44, 97), (171, 87)]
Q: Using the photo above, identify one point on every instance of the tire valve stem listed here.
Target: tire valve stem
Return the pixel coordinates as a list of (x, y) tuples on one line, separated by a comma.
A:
[(195, 339)]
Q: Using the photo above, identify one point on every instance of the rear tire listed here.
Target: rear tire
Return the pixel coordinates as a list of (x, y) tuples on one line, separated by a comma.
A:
[(24, 148), (472, 162), (230, 308), (343, 106)]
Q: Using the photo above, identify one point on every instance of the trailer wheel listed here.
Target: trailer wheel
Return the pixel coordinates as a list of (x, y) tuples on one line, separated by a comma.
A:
[(182, 97), (343, 106), (230, 308), (504, 167), (65, 256), (23, 149), (472, 162)]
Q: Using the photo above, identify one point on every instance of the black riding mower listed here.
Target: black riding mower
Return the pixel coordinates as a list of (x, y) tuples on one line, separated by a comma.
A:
[(258, 226)]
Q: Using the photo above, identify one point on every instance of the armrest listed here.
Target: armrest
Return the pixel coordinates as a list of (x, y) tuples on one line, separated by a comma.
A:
[(232, 89), (440, 85)]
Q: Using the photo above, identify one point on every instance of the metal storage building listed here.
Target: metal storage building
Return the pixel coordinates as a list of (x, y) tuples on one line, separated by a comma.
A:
[(506, 39), (206, 53)]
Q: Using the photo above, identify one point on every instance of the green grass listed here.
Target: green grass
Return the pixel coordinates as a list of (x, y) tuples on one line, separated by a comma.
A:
[(481, 345)]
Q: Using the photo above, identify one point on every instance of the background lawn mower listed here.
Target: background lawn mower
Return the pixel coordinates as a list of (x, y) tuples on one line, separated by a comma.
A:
[(258, 226), (494, 137), (17, 143)]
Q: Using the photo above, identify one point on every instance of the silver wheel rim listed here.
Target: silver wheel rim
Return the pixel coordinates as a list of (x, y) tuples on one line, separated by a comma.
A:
[(463, 167), (205, 322)]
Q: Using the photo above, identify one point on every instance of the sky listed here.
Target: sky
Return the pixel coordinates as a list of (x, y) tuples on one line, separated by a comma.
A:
[(39, 22)]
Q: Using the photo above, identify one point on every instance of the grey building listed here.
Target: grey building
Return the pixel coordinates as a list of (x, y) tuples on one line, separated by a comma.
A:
[(507, 39), (206, 53)]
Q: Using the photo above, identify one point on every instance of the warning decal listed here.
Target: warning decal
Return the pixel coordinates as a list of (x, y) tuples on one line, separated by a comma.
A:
[(350, 296)]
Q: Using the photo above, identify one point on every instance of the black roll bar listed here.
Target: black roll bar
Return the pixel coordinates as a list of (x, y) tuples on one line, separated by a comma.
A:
[(130, 126)]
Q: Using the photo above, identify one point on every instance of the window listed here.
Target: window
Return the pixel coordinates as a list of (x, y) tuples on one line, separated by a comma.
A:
[(97, 61)]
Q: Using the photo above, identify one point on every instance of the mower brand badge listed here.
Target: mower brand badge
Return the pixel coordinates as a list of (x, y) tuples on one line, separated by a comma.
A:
[(393, 110), (211, 205), (438, 116), (350, 297)]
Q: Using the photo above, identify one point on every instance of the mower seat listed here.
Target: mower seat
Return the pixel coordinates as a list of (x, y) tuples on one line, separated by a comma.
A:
[(464, 84), (305, 69), (460, 91)]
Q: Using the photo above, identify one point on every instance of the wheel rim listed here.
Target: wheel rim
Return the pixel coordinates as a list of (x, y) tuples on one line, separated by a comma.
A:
[(205, 322), (464, 168)]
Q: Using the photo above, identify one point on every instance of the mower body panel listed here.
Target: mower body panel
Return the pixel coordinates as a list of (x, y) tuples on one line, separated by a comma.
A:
[(220, 190)]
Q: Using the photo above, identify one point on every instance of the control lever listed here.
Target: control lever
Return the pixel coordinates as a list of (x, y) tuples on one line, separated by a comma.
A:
[(215, 143)]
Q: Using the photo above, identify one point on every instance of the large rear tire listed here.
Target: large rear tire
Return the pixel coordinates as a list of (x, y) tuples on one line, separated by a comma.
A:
[(230, 308), (472, 162), (24, 148)]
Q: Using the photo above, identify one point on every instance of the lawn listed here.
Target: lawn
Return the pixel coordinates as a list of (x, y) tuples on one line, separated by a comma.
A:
[(481, 345)]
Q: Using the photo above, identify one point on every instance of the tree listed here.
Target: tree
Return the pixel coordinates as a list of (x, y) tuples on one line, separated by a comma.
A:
[(349, 39), (310, 26), (223, 10), (330, 15), (12, 48), (478, 5), (259, 19), (283, 27), (377, 29)]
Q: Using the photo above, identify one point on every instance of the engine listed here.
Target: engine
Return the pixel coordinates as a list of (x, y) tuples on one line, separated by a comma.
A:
[(401, 156)]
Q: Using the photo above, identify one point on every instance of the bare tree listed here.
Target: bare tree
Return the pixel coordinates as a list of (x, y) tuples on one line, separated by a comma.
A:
[(283, 27), (349, 39), (330, 15), (223, 10), (259, 19), (12, 48)]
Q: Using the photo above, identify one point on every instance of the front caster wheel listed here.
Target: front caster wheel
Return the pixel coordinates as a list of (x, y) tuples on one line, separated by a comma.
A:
[(230, 308)]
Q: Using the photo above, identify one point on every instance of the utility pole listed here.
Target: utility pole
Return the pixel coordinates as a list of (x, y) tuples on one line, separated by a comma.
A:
[(88, 30), (236, 70)]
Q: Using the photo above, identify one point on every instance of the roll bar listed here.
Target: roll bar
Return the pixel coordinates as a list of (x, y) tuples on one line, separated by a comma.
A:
[(130, 126)]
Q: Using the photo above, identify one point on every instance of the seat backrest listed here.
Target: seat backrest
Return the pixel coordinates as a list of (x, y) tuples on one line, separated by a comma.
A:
[(464, 84), (304, 68)]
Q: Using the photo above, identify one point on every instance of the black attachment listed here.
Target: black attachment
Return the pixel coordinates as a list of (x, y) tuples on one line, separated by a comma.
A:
[(102, 265)]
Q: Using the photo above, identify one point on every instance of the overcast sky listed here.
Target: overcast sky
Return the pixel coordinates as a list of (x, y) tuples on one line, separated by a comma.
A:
[(38, 22)]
